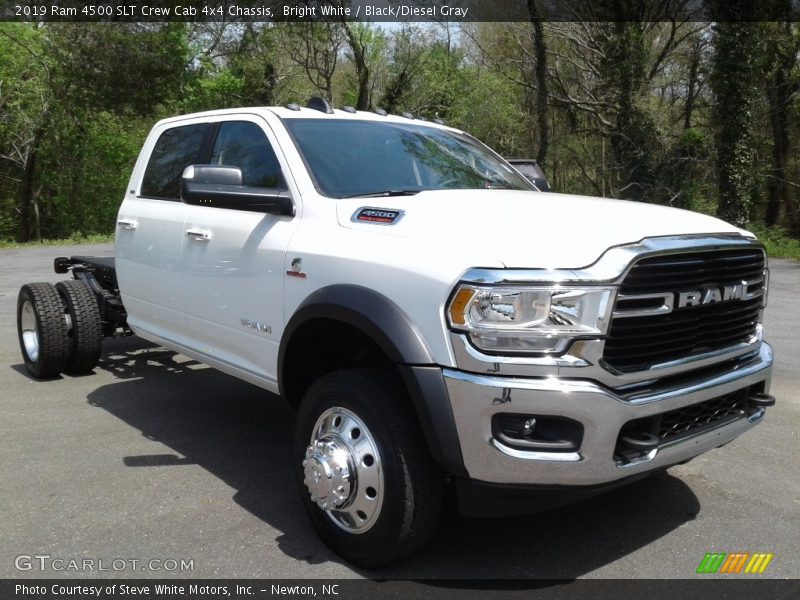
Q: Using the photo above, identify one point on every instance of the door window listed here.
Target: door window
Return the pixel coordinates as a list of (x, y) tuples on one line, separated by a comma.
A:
[(243, 144), (175, 150)]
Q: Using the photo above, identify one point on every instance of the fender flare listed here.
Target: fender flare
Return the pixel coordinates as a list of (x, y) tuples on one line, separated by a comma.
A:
[(375, 315), (398, 337)]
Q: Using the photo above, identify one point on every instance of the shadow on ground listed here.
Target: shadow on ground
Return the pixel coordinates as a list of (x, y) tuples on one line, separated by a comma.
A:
[(242, 435)]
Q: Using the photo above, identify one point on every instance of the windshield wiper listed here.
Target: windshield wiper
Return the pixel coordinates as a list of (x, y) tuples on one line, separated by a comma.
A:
[(384, 194)]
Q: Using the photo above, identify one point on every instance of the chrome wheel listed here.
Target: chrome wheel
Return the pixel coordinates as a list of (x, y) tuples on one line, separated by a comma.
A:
[(343, 471), (368, 483), (29, 331)]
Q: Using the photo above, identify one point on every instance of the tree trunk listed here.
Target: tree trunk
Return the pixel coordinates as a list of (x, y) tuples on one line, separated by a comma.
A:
[(735, 79), (691, 87), (781, 86), (363, 102), (632, 141), (362, 69), (542, 95), (37, 216), (25, 190), (777, 191)]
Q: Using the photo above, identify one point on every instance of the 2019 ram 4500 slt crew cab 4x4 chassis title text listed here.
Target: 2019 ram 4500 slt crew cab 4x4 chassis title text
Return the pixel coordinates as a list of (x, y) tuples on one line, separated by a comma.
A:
[(434, 320)]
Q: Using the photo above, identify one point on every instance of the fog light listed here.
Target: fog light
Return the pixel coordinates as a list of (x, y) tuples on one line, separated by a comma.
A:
[(527, 428), (537, 432)]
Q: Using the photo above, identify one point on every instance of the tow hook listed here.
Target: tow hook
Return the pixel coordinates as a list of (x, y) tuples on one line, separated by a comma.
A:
[(635, 447), (641, 441), (761, 400)]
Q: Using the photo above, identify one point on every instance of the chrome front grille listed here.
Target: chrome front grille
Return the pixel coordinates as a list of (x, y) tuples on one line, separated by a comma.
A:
[(656, 336)]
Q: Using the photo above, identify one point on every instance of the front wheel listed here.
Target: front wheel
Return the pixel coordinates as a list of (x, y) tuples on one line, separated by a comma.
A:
[(368, 483)]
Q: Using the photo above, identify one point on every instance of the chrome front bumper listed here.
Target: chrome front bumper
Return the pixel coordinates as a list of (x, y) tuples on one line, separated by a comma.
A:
[(475, 398)]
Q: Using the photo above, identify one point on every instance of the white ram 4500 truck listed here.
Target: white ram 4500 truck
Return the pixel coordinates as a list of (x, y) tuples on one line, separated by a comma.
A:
[(433, 318)]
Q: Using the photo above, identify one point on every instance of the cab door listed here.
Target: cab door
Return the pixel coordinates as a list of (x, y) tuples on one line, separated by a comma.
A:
[(150, 233), (233, 260)]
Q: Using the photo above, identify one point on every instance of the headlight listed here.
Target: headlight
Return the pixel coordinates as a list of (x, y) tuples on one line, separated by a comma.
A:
[(529, 319)]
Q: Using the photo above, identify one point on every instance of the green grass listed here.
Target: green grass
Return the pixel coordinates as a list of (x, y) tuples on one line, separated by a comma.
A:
[(778, 242), (70, 241)]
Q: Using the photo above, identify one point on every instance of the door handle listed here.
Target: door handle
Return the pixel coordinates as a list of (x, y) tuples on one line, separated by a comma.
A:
[(128, 223), (201, 235)]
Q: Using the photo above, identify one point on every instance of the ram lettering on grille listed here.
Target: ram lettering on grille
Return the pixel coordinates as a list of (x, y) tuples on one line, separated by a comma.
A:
[(679, 305)]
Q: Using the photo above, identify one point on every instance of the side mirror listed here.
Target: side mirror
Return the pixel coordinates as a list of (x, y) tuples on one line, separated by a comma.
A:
[(221, 187)]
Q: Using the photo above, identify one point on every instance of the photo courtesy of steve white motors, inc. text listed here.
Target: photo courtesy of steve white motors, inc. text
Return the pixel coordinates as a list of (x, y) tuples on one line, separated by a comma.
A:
[(172, 589)]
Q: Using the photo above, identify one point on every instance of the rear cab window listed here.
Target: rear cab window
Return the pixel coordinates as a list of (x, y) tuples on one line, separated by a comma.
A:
[(175, 149)]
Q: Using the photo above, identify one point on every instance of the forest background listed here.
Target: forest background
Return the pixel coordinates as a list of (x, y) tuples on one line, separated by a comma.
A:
[(656, 108)]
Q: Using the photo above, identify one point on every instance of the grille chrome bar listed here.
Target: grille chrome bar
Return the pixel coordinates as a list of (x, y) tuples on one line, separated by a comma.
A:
[(643, 307)]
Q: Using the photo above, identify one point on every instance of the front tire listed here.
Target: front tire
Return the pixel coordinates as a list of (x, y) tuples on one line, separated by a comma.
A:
[(367, 480), (42, 330)]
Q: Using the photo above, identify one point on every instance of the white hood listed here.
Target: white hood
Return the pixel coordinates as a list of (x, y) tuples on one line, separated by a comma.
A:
[(519, 229)]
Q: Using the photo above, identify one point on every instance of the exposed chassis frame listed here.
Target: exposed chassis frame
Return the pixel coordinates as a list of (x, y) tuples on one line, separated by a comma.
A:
[(100, 275)]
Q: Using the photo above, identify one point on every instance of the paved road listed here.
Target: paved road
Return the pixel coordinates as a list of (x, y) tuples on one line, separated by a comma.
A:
[(157, 457)]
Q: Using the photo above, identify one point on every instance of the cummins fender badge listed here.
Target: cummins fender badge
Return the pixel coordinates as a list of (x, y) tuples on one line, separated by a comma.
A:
[(381, 216), (263, 328)]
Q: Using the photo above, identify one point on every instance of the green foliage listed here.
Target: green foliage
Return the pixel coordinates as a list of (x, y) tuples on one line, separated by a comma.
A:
[(25, 115), (76, 106), (252, 75), (686, 114), (489, 109), (23, 82), (425, 76), (8, 219), (132, 67), (366, 53), (221, 89), (101, 155), (735, 81), (778, 241), (74, 239)]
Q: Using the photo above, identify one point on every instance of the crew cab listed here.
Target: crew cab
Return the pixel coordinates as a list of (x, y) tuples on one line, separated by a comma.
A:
[(434, 319)]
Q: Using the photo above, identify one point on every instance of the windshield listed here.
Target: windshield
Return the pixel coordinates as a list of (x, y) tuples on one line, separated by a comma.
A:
[(361, 158)]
